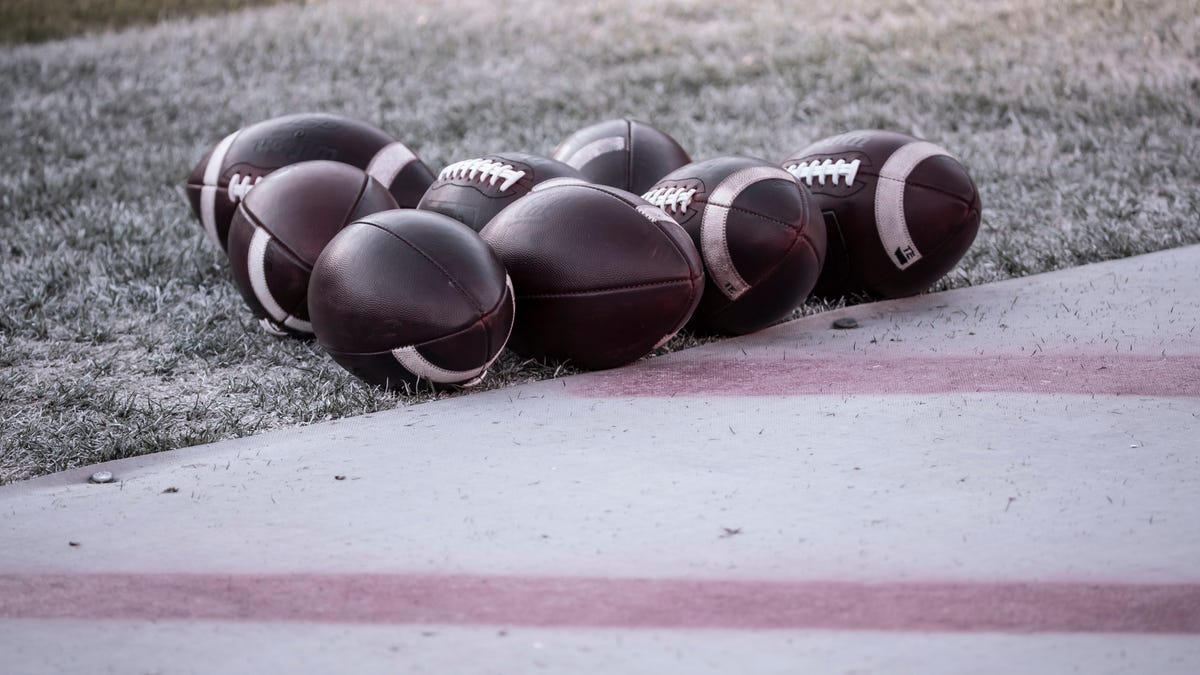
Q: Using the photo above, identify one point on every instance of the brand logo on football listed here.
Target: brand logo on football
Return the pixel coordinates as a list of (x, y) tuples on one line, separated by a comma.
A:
[(903, 255)]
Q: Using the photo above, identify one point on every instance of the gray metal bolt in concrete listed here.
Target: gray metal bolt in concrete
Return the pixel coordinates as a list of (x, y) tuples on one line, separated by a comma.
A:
[(101, 477)]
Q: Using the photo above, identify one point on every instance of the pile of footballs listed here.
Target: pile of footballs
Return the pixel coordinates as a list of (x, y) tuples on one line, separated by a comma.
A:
[(596, 255)]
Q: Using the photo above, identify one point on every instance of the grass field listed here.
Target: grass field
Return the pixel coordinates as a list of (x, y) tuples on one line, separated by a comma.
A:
[(121, 333), (38, 20)]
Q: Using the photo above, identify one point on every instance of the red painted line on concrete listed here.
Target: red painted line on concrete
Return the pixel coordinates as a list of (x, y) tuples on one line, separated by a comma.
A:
[(1032, 607), (815, 375)]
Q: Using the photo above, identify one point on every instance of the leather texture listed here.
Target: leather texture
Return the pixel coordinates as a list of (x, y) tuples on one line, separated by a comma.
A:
[(301, 207), (475, 199), (941, 207), (598, 282), (267, 146), (409, 278), (623, 153), (773, 234)]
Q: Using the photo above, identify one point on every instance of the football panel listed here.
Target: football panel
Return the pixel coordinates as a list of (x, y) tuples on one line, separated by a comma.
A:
[(610, 166), (280, 141), (605, 329), (772, 298), (571, 150), (304, 205), (780, 198), (741, 236), (775, 212), (466, 354), (375, 198), (272, 281), (947, 175), (933, 216), (600, 152), (578, 238), (888, 282), (652, 155), (891, 194), (467, 263), (467, 204), (371, 289)]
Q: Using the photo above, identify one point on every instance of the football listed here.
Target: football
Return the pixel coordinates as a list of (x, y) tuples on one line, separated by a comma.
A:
[(473, 191), (407, 297), (602, 277), (901, 212), (622, 153), (281, 227), (226, 173), (759, 232)]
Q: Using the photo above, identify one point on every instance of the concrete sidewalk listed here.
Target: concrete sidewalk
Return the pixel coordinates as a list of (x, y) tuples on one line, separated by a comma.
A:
[(994, 479)]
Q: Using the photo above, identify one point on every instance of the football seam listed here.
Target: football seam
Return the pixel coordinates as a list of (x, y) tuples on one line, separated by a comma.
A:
[(927, 256), (913, 183), (482, 317), (275, 238), (946, 242), (934, 188), (291, 311), (474, 186), (453, 282), (609, 289), (662, 229), (362, 190), (798, 230), (801, 239)]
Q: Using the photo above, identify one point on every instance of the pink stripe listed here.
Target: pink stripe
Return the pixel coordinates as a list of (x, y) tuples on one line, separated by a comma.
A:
[(607, 602), (808, 375)]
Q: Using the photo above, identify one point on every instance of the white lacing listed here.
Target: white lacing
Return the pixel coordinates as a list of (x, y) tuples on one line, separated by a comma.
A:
[(671, 199), (239, 185), (483, 170), (818, 171)]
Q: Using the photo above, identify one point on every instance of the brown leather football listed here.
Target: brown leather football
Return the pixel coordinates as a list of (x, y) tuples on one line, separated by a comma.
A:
[(407, 297), (901, 212), (473, 191), (281, 227), (227, 171), (602, 277), (622, 153), (760, 234)]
